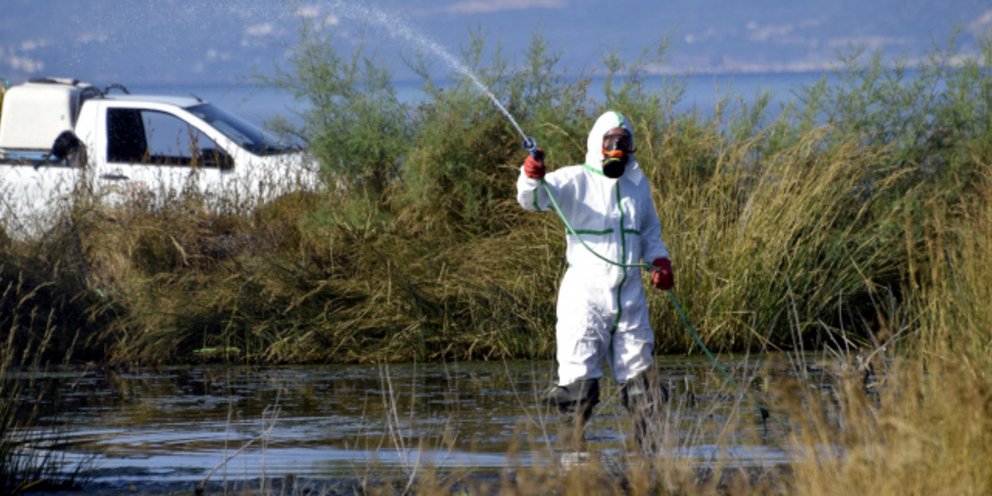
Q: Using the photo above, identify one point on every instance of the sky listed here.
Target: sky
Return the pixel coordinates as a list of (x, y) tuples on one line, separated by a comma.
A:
[(224, 41)]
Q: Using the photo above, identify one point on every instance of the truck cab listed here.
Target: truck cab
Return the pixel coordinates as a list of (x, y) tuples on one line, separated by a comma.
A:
[(59, 135)]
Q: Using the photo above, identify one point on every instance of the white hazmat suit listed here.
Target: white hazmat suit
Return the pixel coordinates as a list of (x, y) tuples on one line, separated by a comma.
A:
[(602, 312)]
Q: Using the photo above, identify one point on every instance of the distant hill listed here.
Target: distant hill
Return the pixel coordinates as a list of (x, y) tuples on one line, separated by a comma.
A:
[(146, 41)]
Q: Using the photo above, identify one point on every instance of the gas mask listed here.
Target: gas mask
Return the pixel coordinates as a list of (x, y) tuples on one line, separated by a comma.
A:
[(617, 150)]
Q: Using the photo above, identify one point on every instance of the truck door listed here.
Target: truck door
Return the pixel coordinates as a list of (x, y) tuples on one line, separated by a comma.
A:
[(155, 155)]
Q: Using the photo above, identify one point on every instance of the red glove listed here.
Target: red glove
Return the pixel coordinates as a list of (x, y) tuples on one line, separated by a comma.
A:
[(662, 277), (534, 166)]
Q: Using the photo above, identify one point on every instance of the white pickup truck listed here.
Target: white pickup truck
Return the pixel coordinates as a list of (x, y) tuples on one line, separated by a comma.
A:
[(59, 135)]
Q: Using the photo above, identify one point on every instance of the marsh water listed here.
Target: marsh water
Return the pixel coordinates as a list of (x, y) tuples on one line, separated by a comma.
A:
[(227, 422)]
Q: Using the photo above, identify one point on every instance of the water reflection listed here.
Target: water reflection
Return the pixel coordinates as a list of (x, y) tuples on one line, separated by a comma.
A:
[(180, 423)]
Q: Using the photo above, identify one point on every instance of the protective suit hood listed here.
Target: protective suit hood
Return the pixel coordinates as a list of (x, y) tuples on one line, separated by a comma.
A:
[(594, 144)]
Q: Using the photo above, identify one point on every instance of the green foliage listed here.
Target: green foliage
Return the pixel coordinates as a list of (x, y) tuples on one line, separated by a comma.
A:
[(355, 125), (455, 178)]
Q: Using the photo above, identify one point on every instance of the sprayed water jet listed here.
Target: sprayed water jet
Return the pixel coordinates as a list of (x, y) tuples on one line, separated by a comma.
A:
[(397, 28)]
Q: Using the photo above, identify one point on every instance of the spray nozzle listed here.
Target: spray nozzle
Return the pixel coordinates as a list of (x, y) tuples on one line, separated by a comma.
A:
[(530, 144)]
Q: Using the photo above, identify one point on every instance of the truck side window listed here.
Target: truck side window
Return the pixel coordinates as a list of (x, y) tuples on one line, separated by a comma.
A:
[(159, 138), (125, 136)]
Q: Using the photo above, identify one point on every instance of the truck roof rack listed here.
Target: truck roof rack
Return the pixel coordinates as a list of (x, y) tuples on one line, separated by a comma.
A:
[(55, 80)]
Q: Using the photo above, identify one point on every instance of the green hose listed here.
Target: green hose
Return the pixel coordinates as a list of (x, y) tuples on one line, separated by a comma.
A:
[(678, 308)]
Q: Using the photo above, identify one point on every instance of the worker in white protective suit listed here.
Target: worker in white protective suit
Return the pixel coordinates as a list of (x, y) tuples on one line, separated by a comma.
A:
[(602, 312)]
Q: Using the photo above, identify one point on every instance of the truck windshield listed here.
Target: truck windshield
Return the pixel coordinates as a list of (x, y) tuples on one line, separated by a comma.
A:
[(242, 132)]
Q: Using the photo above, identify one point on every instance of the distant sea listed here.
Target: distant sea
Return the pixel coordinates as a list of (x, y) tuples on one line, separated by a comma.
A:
[(702, 92)]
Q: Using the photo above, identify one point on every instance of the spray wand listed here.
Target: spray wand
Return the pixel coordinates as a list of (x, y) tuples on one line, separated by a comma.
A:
[(530, 144)]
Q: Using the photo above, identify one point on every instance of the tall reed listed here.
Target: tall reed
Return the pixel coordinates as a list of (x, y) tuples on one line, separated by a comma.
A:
[(25, 464), (927, 429)]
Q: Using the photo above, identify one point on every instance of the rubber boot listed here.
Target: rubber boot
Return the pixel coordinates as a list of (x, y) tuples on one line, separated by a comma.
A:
[(644, 398), (575, 404)]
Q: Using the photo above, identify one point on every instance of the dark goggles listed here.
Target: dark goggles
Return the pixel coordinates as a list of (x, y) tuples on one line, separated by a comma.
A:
[(617, 141)]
